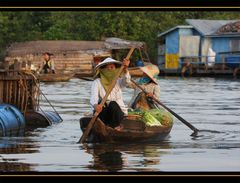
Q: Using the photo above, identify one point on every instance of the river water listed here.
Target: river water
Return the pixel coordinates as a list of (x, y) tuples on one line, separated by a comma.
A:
[(207, 103)]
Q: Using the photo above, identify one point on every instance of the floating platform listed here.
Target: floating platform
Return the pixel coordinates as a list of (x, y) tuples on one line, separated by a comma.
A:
[(202, 70)]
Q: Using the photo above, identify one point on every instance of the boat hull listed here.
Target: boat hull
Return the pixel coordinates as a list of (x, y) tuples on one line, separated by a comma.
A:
[(54, 77), (135, 71), (134, 130)]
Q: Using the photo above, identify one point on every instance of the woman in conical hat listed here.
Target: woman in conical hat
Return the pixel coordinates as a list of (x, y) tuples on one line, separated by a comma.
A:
[(149, 83), (114, 109)]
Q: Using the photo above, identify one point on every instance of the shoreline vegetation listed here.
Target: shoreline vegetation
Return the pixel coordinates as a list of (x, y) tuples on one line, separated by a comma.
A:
[(20, 26)]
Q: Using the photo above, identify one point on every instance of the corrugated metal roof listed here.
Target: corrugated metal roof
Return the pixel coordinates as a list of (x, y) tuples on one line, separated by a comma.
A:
[(177, 27), (208, 27), (235, 34)]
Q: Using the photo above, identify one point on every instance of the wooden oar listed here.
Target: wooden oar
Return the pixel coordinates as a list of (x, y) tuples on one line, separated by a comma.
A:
[(91, 123), (195, 130)]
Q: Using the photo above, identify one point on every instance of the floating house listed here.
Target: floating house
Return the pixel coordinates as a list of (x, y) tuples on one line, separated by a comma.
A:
[(200, 45), (69, 56)]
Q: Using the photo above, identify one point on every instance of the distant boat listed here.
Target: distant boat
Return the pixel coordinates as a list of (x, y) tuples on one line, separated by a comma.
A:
[(135, 71), (55, 77)]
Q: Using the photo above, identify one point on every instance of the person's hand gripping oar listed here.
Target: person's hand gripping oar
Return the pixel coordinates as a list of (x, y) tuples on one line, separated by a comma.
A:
[(91, 123)]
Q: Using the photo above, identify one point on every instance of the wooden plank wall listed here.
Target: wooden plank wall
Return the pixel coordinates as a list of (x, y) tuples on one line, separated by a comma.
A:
[(69, 62)]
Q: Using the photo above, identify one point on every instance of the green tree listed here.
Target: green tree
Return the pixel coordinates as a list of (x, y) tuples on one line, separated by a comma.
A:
[(17, 26)]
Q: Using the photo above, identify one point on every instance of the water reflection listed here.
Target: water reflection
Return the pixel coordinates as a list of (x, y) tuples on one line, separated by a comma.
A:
[(113, 157), (106, 157), (12, 165), (17, 145), (11, 145), (207, 103)]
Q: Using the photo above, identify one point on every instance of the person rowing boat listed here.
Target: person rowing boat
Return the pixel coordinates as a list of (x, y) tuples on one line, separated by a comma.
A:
[(113, 111)]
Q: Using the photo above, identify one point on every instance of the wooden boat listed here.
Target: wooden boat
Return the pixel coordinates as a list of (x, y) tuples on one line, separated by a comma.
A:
[(135, 71), (55, 77), (134, 130), (81, 75)]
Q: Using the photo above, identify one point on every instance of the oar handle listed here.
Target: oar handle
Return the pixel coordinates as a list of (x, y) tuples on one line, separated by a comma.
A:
[(160, 103), (91, 123)]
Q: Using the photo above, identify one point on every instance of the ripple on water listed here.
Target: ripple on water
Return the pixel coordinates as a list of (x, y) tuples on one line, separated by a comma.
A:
[(206, 103)]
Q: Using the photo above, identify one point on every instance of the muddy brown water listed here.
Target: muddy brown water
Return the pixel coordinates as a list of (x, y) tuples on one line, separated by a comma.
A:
[(207, 103)]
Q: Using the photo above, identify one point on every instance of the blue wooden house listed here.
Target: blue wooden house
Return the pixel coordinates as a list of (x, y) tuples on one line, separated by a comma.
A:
[(197, 42)]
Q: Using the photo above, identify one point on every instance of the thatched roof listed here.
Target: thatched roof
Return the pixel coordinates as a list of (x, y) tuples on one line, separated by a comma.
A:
[(117, 43), (230, 28), (208, 27), (60, 46), (39, 47)]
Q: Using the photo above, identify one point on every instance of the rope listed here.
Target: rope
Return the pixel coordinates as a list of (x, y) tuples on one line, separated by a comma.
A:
[(21, 74), (23, 83), (40, 91), (37, 91)]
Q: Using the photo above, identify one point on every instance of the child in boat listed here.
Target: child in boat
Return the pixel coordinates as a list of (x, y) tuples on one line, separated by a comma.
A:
[(149, 83), (113, 111)]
